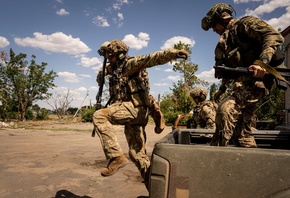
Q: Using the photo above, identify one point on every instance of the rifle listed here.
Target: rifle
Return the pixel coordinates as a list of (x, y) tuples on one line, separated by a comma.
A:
[(101, 86), (100, 92), (281, 78)]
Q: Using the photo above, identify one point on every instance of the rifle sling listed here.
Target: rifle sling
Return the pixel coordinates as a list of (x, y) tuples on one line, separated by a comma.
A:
[(271, 70)]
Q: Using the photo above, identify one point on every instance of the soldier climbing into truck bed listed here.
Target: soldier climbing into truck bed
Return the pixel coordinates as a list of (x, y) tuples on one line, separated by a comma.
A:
[(205, 110), (251, 43)]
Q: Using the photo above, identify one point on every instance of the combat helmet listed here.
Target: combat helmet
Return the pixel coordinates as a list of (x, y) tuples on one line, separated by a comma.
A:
[(217, 14), (114, 47), (199, 92)]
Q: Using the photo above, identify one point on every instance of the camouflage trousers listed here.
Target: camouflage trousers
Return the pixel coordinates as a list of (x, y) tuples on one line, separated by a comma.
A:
[(134, 119), (235, 117)]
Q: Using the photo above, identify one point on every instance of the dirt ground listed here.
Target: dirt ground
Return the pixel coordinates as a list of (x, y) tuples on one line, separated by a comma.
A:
[(63, 160)]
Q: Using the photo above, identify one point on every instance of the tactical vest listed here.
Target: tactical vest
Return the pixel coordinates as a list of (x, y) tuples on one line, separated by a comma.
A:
[(134, 88), (243, 51), (201, 121)]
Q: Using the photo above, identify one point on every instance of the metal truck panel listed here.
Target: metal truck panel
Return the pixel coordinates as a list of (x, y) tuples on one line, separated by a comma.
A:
[(199, 170)]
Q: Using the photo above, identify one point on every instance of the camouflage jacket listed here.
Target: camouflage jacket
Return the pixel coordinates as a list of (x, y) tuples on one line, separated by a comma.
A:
[(204, 114), (246, 40), (128, 80)]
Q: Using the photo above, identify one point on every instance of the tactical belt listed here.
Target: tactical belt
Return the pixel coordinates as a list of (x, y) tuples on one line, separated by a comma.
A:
[(271, 70)]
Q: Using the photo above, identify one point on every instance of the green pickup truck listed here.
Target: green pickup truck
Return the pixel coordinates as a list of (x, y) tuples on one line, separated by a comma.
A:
[(184, 165)]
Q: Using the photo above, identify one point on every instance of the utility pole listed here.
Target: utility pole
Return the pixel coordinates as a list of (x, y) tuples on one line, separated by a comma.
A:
[(82, 103)]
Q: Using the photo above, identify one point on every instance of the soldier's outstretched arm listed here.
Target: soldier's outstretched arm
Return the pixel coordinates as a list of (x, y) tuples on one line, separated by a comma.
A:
[(156, 58)]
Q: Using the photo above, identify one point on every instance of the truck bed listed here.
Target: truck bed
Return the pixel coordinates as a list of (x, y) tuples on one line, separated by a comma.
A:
[(184, 165)]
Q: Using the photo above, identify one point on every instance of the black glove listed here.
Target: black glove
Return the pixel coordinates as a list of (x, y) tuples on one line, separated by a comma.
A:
[(182, 54)]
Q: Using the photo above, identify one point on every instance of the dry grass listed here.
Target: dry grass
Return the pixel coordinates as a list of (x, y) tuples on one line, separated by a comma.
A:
[(68, 123)]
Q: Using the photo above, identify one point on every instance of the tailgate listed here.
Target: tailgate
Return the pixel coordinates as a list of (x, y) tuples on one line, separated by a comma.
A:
[(199, 170)]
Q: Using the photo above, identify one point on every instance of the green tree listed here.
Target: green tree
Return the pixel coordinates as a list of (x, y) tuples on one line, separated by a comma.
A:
[(212, 90), (181, 89), (179, 101), (181, 97), (5, 94), (72, 110), (25, 82), (187, 69), (271, 107), (36, 108), (168, 107), (42, 114)]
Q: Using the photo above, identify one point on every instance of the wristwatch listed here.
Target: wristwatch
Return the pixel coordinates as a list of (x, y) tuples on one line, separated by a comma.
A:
[(264, 60)]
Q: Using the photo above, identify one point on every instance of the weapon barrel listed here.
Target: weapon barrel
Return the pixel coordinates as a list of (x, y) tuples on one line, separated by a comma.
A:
[(235, 69)]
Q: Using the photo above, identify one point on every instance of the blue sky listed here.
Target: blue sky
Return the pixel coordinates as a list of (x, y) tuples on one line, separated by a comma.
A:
[(66, 34)]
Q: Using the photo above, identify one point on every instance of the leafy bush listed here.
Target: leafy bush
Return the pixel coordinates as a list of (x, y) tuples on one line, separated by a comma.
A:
[(29, 114), (42, 114), (170, 117), (87, 115)]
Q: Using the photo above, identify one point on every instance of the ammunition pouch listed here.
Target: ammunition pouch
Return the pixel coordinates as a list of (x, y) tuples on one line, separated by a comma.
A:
[(138, 91)]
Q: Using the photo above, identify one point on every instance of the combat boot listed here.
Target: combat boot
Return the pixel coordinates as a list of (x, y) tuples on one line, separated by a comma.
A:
[(114, 165), (248, 141)]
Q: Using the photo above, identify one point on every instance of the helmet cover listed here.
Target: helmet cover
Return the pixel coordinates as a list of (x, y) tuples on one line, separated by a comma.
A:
[(214, 15), (199, 92), (114, 47)]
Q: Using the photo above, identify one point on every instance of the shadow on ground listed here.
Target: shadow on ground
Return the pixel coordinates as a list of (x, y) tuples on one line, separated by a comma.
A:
[(68, 194)]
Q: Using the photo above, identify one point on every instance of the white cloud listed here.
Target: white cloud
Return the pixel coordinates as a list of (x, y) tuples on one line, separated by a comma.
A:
[(78, 94), (120, 16), (81, 89), (87, 12), (119, 3), (245, 1), (268, 7), (160, 84), (168, 70), (101, 21), (119, 20), (4, 42), (208, 76), (281, 22), (62, 12), (137, 42), (87, 62), (85, 75), (175, 40), (59, 90), (69, 77), (173, 78), (57, 42), (94, 88)]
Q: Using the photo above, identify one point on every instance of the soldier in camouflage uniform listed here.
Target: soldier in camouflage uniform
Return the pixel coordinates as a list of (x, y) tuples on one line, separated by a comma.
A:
[(130, 104), (154, 108), (205, 111), (242, 42)]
